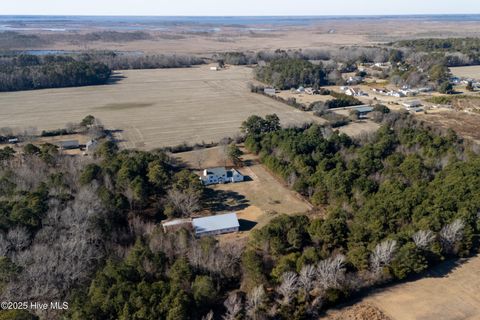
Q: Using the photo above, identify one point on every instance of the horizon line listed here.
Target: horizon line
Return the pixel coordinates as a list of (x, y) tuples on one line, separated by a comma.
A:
[(246, 16)]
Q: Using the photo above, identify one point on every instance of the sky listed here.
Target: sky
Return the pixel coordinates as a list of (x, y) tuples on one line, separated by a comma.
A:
[(236, 7)]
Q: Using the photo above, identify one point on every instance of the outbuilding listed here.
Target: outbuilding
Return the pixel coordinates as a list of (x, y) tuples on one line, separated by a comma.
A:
[(412, 104), (70, 144), (214, 225), (269, 91), (363, 111)]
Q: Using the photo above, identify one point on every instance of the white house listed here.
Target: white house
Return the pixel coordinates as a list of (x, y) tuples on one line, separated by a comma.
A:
[(356, 92), (270, 91), (213, 225), (354, 80), (397, 94), (220, 175)]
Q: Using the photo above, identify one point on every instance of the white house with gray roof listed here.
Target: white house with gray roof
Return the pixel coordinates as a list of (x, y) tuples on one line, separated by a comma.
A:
[(220, 175)]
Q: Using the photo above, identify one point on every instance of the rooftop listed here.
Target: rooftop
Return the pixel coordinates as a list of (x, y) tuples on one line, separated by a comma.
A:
[(68, 143), (214, 223), (219, 171), (364, 109)]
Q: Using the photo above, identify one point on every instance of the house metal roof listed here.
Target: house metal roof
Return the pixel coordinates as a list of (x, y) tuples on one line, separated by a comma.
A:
[(364, 109), (215, 223), (68, 143)]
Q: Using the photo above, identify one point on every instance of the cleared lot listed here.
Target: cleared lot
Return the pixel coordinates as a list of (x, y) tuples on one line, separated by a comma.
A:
[(449, 296), (256, 200), (152, 108), (448, 292), (466, 72)]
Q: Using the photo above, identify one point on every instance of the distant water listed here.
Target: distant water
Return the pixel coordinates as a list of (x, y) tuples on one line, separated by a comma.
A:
[(70, 52), (63, 23)]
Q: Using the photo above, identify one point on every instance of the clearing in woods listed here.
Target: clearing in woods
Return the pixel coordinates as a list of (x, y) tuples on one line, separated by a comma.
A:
[(257, 200), (449, 291), (152, 108)]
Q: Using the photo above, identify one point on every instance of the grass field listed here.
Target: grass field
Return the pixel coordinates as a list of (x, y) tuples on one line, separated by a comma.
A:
[(152, 108), (441, 295), (447, 292), (466, 72)]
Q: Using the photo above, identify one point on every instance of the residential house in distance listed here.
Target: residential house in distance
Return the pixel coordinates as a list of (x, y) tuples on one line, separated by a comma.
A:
[(412, 104), (363, 111), (355, 92), (270, 91), (67, 145), (354, 80), (300, 89), (214, 225), (220, 175)]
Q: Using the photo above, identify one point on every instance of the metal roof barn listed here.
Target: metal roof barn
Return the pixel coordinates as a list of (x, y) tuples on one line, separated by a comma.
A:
[(70, 144), (222, 223), (364, 109)]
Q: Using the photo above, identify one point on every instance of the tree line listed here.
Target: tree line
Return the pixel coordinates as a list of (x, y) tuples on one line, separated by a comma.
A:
[(286, 73), (26, 72)]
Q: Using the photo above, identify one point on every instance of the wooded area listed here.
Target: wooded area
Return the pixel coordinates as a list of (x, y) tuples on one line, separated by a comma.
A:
[(25, 72)]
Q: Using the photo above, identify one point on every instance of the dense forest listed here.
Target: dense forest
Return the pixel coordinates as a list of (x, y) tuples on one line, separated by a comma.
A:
[(455, 51), (25, 72), (464, 45), (397, 203), (286, 73)]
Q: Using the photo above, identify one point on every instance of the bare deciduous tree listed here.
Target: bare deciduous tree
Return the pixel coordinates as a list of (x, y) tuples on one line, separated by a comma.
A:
[(423, 238), (382, 255), (451, 234), (288, 287), (68, 247), (19, 238), (208, 316), (255, 300), (331, 272), (292, 178), (199, 157), (306, 278), (233, 304), (184, 203), (4, 244)]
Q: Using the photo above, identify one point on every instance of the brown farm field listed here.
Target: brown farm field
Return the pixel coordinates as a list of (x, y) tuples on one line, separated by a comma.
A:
[(472, 72), (450, 296), (152, 108), (447, 292)]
